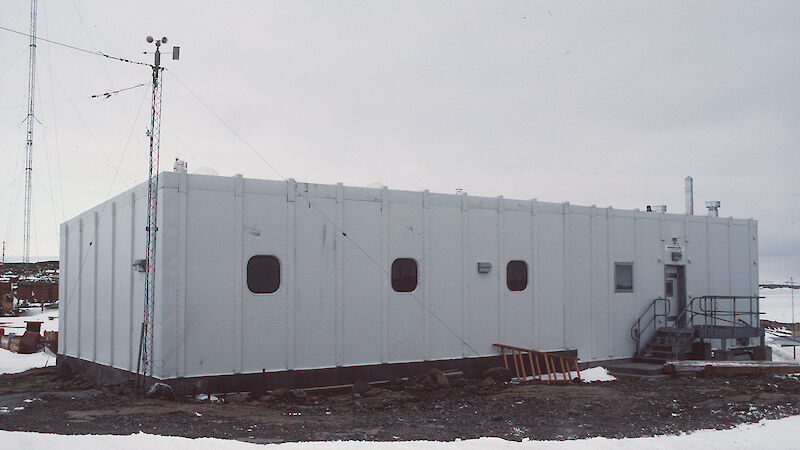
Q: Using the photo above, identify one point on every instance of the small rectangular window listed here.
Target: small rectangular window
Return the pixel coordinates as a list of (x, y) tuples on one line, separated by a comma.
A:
[(404, 275), (623, 277), (517, 275), (263, 274)]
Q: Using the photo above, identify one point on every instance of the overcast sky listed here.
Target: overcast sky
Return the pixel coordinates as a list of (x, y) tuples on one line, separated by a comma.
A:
[(606, 103)]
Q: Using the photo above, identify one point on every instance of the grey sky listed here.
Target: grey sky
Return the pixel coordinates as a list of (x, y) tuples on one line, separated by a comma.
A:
[(607, 103)]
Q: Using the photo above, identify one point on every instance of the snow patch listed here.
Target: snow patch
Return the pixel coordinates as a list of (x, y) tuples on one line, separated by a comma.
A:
[(11, 362), (595, 374), (778, 433)]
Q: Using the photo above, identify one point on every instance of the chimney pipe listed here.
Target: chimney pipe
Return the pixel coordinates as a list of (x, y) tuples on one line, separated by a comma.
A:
[(689, 196)]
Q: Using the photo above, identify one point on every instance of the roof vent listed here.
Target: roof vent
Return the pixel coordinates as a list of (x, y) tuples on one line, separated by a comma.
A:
[(713, 208), (180, 166)]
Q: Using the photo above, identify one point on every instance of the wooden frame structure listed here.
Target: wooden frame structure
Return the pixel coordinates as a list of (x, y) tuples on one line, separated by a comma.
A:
[(542, 366)]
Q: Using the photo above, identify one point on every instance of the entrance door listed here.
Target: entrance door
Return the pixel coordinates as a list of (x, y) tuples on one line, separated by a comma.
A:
[(675, 290)]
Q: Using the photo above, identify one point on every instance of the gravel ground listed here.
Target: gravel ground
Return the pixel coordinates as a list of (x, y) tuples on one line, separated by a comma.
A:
[(38, 400)]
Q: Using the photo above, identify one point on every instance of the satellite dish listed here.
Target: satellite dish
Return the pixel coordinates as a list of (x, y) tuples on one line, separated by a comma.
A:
[(205, 170)]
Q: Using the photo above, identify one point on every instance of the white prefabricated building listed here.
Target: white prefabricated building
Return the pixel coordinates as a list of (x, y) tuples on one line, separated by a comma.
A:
[(279, 277)]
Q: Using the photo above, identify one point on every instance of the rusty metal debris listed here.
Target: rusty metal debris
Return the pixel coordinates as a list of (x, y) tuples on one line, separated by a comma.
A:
[(31, 341)]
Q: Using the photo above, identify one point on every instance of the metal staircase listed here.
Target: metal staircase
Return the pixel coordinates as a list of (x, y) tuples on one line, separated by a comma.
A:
[(667, 343), (708, 317)]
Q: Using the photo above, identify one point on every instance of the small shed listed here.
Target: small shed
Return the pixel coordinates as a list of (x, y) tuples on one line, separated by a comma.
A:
[(301, 284)]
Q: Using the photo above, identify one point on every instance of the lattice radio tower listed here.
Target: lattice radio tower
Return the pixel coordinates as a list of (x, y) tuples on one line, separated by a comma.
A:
[(26, 238), (144, 368)]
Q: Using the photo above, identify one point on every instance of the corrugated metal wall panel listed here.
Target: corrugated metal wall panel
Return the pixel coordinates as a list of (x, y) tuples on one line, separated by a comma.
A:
[(336, 306)]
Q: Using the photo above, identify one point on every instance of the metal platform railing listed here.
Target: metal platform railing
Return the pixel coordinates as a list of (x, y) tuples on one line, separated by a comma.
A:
[(705, 317)]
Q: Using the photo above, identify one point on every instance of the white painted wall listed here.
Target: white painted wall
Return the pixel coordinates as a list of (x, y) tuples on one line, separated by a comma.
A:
[(335, 305)]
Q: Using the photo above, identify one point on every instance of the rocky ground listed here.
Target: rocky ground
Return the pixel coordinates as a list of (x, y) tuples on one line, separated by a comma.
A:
[(40, 400)]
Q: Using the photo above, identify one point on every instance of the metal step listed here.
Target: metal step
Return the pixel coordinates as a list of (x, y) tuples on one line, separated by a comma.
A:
[(667, 343)]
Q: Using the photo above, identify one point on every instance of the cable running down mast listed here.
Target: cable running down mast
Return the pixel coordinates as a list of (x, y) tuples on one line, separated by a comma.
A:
[(26, 239)]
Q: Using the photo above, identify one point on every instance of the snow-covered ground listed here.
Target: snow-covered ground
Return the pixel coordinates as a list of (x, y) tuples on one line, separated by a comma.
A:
[(16, 325), (780, 353), (14, 362), (780, 433), (11, 362), (777, 305)]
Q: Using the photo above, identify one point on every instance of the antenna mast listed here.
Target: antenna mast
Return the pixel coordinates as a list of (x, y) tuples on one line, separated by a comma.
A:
[(29, 142), (144, 368)]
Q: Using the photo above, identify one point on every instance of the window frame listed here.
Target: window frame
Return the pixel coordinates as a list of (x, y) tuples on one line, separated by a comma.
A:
[(247, 275), (416, 275), (617, 265), (526, 275)]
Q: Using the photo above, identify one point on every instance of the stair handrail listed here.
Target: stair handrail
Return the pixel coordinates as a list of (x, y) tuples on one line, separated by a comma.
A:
[(637, 330), (681, 322)]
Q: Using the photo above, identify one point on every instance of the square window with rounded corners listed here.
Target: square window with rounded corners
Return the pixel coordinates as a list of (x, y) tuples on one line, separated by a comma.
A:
[(263, 274), (404, 275), (517, 275)]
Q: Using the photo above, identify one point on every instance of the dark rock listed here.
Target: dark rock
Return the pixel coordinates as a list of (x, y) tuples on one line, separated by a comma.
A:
[(672, 406), (64, 370), (458, 383), (498, 374), (237, 398), (281, 393), (359, 387), (425, 380), (160, 390)]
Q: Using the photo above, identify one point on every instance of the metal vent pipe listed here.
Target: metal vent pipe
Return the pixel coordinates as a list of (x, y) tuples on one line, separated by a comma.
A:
[(713, 208), (689, 196)]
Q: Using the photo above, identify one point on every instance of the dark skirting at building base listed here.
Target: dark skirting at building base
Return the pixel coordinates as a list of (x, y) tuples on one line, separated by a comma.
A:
[(292, 379)]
